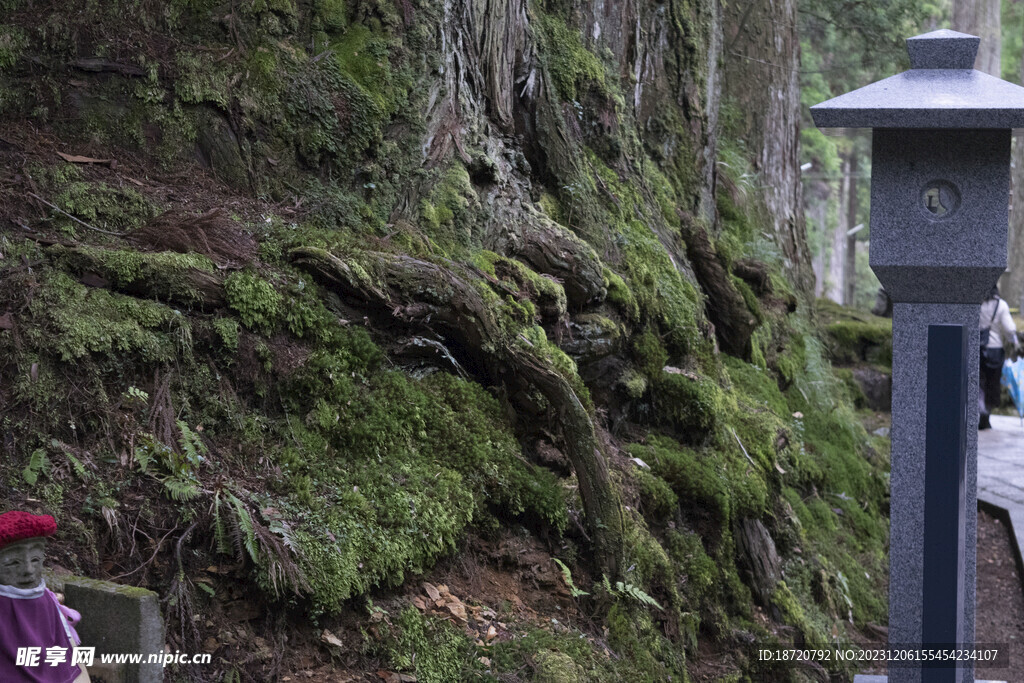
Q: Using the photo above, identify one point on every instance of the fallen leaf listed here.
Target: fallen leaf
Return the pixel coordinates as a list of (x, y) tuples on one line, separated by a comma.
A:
[(485, 661), (443, 590), (432, 591), (75, 159), (6, 322), (419, 604), (492, 633)]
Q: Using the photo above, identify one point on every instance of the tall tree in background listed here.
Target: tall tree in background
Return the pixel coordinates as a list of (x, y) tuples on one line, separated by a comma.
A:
[(981, 18), (845, 44), (1011, 285)]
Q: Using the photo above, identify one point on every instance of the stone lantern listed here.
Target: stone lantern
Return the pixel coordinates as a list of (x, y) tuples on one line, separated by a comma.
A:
[(940, 182)]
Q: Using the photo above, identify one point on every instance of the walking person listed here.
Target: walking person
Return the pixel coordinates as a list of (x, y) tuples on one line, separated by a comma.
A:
[(997, 328)]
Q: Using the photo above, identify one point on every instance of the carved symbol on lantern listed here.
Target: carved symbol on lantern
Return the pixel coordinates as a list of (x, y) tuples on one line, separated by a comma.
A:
[(941, 199)]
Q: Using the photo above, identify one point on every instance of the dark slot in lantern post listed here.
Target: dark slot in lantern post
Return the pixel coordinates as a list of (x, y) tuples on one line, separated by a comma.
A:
[(940, 181)]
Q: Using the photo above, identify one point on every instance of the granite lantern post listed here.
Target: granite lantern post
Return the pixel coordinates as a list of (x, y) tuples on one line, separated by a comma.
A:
[(940, 181)]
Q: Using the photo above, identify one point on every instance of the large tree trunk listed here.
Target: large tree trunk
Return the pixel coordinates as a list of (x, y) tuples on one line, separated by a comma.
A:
[(762, 58), (852, 207), (981, 18), (838, 258)]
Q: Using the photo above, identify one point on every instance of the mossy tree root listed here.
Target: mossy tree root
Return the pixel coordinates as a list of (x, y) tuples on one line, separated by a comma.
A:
[(549, 248), (726, 307), (443, 300), (171, 280)]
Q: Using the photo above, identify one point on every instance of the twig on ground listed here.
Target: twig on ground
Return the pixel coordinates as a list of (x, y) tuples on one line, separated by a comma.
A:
[(77, 220)]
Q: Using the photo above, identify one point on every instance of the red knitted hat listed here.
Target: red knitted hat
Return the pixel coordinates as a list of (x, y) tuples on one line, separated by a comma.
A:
[(17, 526)]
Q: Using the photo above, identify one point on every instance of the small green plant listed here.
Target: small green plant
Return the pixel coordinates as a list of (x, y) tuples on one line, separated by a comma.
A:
[(136, 394), (37, 464), (567, 577), (628, 590)]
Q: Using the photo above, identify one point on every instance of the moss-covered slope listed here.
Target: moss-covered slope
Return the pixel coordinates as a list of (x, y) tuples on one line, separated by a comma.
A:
[(300, 299)]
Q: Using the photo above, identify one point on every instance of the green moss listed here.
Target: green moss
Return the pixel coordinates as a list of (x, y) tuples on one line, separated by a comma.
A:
[(12, 42), (390, 471), (633, 383), (517, 278), (814, 634), (756, 384), (432, 650), (716, 482), (662, 294), (103, 206), (364, 57), (692, 405), (855, 336), (330, 15), (658, 501), (448, 212), (556, 667), (572, 67), (166, 274), (535, 339), (550, 205), (620, 295), (73, 320), (650, 353), (255, 300), (227, 331)]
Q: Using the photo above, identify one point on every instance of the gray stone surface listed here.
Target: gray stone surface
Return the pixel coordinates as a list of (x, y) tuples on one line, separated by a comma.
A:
[(958, 256), (907, 482), (940, 91), (1001, 470), (117, 619), (943, 49), (861, 678)]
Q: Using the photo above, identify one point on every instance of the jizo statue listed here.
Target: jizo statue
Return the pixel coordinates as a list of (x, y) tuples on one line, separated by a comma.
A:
[(34, 627)]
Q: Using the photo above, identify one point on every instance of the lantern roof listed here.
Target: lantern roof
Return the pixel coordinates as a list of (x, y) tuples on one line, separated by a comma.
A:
[(941, 90)]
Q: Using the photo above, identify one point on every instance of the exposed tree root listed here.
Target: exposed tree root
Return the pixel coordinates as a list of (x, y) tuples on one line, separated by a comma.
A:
[(734, 323), (443, 300)]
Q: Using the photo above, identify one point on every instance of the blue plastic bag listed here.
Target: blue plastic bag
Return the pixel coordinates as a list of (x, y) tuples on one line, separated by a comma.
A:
[(1013, 379)]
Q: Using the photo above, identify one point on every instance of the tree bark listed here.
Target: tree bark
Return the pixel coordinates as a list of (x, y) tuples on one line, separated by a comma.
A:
[(762, 66)]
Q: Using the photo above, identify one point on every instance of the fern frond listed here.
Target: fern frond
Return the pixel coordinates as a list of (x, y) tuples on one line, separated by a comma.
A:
[(181, 489)]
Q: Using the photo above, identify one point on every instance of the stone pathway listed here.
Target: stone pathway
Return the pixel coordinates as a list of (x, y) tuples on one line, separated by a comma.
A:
[(1001, 469)]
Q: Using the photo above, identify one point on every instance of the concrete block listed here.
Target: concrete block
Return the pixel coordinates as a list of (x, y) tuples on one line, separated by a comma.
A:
[(116, 619)]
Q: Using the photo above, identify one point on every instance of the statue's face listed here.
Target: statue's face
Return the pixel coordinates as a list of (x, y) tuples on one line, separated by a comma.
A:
[(21, 563)]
